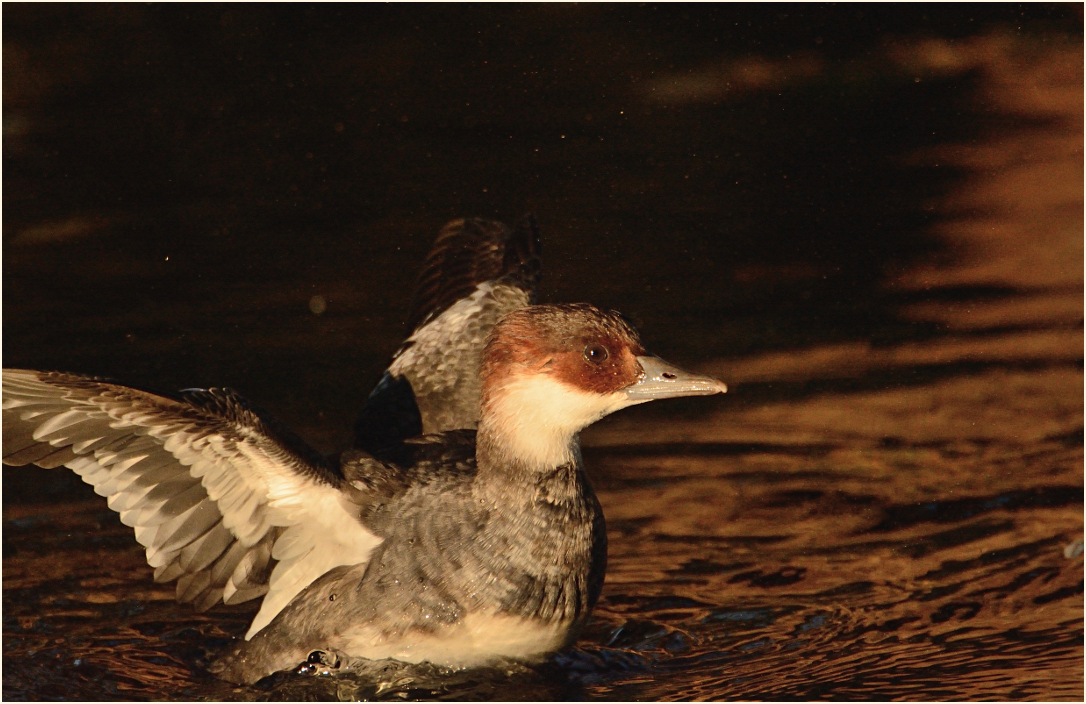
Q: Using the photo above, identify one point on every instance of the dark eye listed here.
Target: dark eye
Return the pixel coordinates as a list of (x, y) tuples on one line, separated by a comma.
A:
[(597, 354)]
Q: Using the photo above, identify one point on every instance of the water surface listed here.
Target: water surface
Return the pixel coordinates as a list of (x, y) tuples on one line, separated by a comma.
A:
[(869, 225)]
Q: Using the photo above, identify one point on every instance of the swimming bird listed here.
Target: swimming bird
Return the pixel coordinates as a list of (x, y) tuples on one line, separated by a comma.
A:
[(460, 529)]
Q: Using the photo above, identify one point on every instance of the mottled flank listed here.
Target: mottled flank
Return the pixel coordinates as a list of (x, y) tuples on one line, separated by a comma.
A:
[(452, 555)]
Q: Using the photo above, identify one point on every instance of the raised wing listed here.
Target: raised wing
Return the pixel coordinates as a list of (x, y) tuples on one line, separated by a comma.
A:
[(476, 272), (227, 502)]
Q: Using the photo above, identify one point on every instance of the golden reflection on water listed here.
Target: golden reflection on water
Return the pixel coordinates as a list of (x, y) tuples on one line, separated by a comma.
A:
[(909, 539)]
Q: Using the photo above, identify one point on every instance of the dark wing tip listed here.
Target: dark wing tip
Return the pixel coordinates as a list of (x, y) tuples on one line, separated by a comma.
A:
[(390, 414), (469, 252)]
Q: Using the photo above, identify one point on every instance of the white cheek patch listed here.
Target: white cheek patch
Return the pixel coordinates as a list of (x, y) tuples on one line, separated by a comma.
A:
[(537, 416)]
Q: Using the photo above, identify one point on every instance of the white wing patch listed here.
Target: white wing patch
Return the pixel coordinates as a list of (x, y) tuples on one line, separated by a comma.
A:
[(212, 499), (329, 537)]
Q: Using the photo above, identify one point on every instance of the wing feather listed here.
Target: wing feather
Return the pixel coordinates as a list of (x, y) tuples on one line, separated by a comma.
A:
[(476, 272), (187, 527), (34, 453), (472, 251), (207, 483), (168, 573), (200, 553)]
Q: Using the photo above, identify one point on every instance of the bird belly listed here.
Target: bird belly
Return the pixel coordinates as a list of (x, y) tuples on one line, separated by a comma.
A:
[(475, 640)]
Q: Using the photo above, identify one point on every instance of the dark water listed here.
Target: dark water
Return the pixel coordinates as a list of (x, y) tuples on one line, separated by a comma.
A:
[(868, 221)]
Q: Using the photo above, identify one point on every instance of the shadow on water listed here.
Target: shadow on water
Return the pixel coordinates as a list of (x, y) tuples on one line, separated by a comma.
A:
[(806, 201)]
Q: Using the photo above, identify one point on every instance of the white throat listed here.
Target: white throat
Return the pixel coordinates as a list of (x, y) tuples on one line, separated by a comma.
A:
[(535, 418)]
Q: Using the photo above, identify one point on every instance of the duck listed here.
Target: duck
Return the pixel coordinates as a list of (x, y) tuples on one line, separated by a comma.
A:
[(460, 529)]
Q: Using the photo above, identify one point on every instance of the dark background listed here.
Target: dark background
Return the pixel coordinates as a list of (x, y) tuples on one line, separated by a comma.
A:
[(181, 180)]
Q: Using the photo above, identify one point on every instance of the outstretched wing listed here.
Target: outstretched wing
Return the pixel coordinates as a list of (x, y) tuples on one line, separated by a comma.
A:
[(476, 272), (216, 493)]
